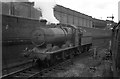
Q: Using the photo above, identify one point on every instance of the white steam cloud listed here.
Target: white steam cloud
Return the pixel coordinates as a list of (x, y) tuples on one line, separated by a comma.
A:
[(46, 8)]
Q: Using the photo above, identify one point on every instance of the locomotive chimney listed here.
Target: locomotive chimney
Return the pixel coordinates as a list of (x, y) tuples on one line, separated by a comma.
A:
[(43, 21)]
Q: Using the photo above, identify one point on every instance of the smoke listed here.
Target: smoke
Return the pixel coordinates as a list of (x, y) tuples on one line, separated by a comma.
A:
[(46, 8)]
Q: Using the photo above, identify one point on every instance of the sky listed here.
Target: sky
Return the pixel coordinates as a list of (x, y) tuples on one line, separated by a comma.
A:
[(100, 9)]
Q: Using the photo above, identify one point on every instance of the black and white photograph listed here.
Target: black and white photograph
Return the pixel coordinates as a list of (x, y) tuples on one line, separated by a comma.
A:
[(59, 39)]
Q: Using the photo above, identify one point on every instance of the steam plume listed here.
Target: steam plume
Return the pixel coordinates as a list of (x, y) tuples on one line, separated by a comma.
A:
[(46, 8)]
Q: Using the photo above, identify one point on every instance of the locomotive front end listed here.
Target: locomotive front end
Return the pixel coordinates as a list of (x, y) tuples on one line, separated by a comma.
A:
[(49, 40)]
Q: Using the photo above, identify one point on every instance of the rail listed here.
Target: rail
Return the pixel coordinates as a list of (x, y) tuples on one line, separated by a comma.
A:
[(34, 71)]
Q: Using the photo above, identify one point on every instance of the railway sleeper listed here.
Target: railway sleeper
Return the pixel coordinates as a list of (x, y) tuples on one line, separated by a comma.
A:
[(31, 72), (22, 74)]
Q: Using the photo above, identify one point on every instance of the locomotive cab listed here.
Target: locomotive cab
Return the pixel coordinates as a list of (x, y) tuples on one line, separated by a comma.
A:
[(78, 35)]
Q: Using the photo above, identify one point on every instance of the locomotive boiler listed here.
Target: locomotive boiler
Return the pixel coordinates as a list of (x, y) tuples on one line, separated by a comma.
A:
[(41, 36)]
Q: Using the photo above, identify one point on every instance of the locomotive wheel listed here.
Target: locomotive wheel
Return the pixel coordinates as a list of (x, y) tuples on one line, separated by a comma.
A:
[(71, 54), (39, 63), (63, 56), (66, 54), (85, 49), (42, 63), (82, 49), (78, 50), (46, 63), (52, 61)]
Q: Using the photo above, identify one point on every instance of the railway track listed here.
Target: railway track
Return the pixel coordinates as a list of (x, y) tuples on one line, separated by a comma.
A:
[(16, 67), (34, 71)]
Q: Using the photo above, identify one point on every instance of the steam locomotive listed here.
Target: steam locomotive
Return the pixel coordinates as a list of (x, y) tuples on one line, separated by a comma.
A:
[(23, 36), (59, 43)]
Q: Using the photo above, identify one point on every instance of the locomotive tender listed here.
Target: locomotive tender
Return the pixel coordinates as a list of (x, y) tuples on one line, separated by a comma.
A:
[(44, 42)]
